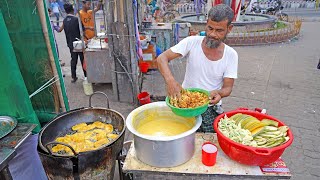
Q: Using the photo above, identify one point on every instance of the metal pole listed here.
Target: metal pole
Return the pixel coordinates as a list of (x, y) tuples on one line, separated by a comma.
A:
[(94, 19), (76, 4), (104, 16)]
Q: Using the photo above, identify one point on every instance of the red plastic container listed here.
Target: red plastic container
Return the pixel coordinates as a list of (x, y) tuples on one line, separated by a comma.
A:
[(144, 67), (246, 154), (144, 98), (209, 156)]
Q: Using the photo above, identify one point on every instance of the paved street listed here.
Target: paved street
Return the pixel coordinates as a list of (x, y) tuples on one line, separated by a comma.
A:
[(282, 78), (303, 12)]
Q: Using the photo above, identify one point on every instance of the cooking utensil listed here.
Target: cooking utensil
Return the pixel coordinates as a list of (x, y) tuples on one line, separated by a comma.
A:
[(96, 164), (165, 151), (7, 124), (189, 112), (247, 154)]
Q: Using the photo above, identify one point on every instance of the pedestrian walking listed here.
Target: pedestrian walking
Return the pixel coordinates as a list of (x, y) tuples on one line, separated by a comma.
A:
[(56, 10), (71, 28)]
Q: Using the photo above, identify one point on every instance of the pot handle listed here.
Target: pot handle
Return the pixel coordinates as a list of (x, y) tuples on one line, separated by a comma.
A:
[(53, 143), (99, 92), (63, 113), (262, 152), (263, 111)]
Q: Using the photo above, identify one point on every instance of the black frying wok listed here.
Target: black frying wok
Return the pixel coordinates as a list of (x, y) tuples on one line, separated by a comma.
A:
[(61, 125), (96, 164)]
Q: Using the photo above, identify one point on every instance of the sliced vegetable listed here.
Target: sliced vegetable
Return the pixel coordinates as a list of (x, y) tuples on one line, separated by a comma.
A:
[(269, 122), (271, 128), (235, 132), (257, 131), (248, 130)]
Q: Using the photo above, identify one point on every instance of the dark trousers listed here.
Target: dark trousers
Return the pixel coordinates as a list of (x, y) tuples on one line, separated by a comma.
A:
[(74, 62), (57, 17)]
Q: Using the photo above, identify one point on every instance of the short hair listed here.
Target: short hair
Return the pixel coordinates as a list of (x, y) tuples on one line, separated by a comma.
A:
[(220, 13), (68, 8)]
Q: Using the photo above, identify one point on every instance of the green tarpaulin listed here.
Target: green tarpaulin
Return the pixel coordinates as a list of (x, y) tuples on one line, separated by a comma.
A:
[(27, 42), (14, 98)]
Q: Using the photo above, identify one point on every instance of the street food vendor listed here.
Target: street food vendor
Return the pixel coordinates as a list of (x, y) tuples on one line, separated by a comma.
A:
[(211, 64), (87, 19)]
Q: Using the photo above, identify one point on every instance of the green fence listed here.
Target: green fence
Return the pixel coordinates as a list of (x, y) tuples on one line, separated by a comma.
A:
[(14, 98), (25, 32)]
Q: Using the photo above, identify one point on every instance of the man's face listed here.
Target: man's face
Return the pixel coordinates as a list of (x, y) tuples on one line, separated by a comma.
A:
[(87, 5), (216, 32)]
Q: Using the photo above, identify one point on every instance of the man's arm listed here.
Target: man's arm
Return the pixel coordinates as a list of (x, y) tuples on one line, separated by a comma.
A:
[(173, 87), (225, 91)]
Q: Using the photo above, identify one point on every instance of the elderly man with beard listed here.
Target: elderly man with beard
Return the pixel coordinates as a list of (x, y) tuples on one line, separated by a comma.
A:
[(211, 64)]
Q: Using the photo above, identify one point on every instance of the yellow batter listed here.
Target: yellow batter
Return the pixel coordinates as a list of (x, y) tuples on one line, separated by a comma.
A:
[(163, 127), (160, 125)]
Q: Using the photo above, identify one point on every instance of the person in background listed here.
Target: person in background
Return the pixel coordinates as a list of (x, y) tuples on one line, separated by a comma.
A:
[(211, 64), (61, 3), (56, 10), (87, 19), (54, 38), (71, 28)]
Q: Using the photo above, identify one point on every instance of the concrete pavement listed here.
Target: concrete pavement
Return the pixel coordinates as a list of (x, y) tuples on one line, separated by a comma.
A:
[(281, 78)]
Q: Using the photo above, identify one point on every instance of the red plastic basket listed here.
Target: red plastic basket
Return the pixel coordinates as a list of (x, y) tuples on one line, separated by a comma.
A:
[(246, 154)]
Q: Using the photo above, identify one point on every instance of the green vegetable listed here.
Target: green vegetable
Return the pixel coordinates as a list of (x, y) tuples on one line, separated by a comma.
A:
[(229, 128), (265, 136)]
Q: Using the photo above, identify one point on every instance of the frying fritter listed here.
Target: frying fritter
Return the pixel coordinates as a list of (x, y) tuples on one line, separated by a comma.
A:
[(78, 126), (108, 128), (101, 142), (60, 148), (112, 136), (99, 124), (86, 128), (87, 138)]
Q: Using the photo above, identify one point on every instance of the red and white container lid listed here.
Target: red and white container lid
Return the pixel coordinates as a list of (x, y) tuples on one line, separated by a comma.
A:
[(209, 154)]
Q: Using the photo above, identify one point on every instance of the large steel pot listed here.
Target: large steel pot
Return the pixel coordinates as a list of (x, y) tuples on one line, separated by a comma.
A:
[(166, 151), (96, 164)]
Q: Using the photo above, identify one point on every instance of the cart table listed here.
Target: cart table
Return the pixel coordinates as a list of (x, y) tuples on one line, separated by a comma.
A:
[(98, 65), (9, 143), (225, 168)]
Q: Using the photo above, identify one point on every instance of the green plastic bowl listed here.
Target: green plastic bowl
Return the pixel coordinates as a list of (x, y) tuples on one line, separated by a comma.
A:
[(190, 112)]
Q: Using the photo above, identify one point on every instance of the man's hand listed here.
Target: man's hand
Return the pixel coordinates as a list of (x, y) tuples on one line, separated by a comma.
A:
[(174, 89), (57, 28), (214, 97)]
